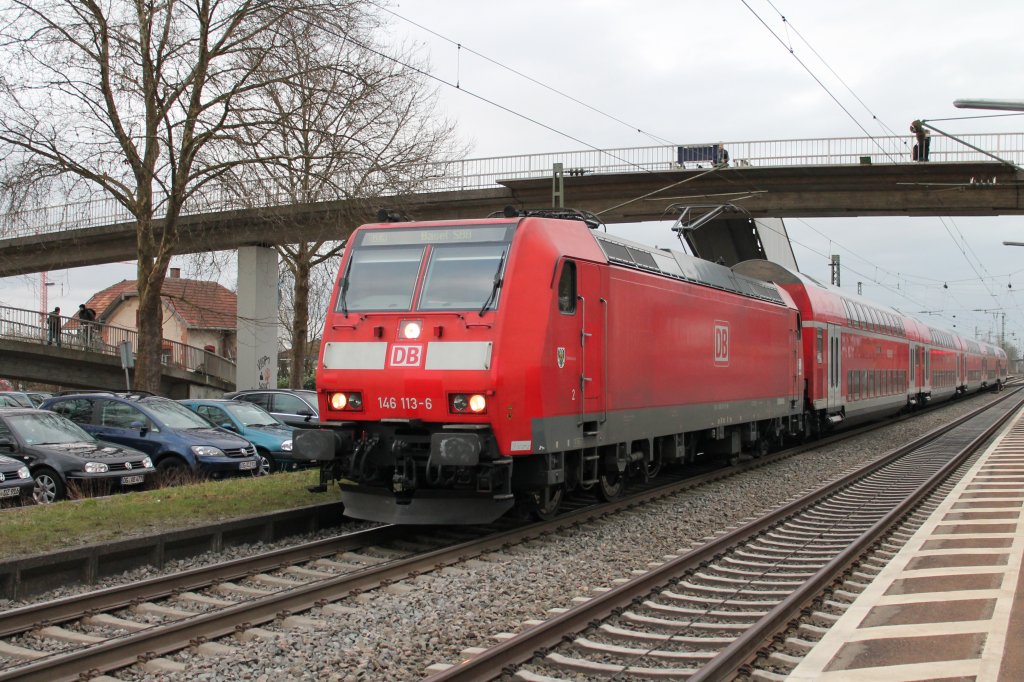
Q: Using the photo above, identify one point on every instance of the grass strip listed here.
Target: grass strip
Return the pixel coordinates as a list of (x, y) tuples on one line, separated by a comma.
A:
[(43, 528)]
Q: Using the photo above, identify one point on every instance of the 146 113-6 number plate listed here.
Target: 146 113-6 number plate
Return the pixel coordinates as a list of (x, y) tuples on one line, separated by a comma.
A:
[(132, 480), (10, 492), (247, 465)]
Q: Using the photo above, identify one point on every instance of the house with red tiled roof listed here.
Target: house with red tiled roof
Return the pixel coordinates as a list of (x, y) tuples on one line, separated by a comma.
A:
[(196, 312)]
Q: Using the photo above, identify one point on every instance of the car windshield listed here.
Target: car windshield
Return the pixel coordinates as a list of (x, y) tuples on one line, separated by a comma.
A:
[(252, 415), (20, 399), (174, 415), (47, 428)]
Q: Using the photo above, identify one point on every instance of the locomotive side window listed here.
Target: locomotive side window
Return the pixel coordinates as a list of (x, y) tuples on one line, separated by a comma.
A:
[(567, 289)]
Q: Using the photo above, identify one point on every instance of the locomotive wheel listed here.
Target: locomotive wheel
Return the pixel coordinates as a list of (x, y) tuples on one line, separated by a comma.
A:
[(610, 486), (543, 504)]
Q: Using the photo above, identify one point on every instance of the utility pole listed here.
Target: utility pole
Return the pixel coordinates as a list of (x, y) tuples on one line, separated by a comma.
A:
[(834, 265), (557, 186)]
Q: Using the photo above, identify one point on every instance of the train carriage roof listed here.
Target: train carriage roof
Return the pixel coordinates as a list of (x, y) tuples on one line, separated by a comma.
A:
[(681, 266)]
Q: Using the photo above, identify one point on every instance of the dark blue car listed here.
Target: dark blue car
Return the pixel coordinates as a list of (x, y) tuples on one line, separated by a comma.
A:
[(179, 441), (273, 440)]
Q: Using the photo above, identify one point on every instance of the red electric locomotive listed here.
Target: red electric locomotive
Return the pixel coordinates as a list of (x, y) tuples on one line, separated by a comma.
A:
[(470, 365)]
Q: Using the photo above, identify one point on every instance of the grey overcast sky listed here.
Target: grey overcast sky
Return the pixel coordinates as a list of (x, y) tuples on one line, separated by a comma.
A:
[(683, 71)]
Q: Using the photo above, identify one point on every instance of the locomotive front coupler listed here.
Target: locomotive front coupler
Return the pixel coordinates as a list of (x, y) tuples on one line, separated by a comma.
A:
[(404, 478)]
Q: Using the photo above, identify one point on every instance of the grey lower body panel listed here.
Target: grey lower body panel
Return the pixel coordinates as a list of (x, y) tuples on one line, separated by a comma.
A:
[(448, 509), (555, 434)]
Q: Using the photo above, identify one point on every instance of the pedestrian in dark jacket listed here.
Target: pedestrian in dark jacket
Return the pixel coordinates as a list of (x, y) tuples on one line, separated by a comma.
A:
[(53, 327), (86, 316)]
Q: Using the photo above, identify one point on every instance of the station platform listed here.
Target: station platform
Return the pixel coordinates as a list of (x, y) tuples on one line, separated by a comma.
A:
[(950, 605)]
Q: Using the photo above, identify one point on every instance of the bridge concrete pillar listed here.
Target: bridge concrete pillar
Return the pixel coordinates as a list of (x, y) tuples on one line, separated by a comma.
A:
[(257, 318)]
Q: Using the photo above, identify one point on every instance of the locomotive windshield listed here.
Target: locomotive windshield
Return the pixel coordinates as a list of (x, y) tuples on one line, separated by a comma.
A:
[(463, 269)]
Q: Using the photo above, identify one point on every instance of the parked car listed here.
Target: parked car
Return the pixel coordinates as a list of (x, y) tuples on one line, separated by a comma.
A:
[(273, 440), (59, 452), (179, 441), (9, 400), (27, 398), (15, 480), (295, 408)]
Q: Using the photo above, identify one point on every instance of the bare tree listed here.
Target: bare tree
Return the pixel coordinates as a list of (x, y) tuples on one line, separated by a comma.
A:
[(321, 282), (140, 99), (355, 124)]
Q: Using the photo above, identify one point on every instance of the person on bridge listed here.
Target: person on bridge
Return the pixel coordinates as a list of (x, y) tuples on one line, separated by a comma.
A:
[(86, 316), (53, 327), (924, 141)]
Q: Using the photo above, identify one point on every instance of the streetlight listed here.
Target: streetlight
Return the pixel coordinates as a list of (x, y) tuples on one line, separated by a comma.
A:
[(999, 104)]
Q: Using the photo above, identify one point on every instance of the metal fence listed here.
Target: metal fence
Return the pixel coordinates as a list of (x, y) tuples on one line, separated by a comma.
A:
[(32, 326), (486, 172)]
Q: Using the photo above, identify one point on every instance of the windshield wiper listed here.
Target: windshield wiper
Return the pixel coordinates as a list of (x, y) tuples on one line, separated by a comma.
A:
[(344, 286), (497, 284)]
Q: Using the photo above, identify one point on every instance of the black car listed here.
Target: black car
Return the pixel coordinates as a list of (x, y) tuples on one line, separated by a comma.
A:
[(15, 480), (58, 453), (295, 408)]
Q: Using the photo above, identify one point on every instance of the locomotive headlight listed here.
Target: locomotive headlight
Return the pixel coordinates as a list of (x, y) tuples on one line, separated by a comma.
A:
[(410, 329), (463, 402), (345, 401)]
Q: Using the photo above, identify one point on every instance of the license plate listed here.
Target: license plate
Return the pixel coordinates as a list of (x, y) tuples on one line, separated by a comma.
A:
[(10, 492), (247, 465), (131, 480)]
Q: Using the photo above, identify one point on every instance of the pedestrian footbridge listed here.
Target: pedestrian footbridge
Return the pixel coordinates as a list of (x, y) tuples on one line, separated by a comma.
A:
[(91, 357)]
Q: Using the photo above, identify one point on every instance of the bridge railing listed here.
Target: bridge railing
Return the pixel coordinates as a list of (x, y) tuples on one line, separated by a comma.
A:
[(483, 173), (32, 326)]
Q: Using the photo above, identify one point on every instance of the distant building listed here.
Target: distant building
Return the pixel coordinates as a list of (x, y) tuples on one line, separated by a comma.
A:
[(196, 312)]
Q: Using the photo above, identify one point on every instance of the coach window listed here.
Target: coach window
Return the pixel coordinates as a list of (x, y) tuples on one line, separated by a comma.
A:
[(567, 289)]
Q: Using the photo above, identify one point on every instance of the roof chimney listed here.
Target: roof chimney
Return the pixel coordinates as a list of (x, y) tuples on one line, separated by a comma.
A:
[(175, 273)]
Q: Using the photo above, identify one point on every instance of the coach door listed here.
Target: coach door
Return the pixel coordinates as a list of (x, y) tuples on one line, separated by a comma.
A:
[(835, 369), (593, 307)]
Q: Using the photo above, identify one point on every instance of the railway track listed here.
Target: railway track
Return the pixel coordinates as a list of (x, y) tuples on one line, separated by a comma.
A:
[(116, 627), (704, 615)]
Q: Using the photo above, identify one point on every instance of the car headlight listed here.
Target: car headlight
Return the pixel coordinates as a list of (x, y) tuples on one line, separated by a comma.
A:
[(23, 472), (286, 446), (96, 468), (147, 463), (207, 451)]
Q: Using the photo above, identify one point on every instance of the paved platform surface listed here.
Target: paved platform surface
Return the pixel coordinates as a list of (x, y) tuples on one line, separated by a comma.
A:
[(950, 606)]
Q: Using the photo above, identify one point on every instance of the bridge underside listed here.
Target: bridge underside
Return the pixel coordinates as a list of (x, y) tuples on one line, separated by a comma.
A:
[(922, 189), (70, 368)]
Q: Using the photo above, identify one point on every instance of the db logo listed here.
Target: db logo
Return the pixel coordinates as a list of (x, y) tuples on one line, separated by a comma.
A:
[(721, 343), (406, 356)]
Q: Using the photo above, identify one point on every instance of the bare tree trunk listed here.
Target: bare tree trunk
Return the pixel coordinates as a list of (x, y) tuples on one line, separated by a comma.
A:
[(148, 369), (300, 324)]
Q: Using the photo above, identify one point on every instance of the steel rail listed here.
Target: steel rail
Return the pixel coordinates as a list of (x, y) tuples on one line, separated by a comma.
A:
[(25, 618), (496, 660), (746, 646)]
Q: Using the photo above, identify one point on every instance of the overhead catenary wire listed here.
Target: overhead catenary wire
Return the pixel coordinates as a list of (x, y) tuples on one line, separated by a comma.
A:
[(460, 46)]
